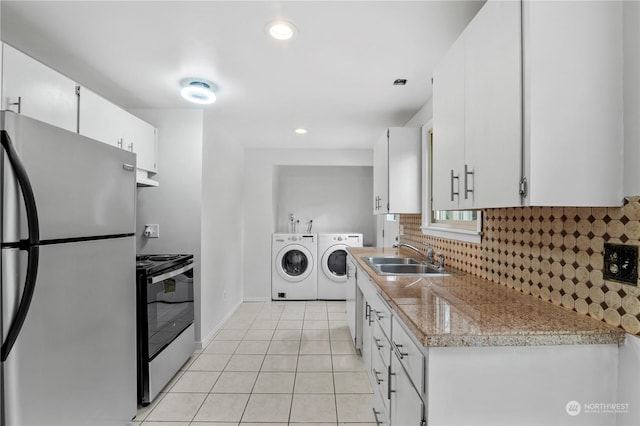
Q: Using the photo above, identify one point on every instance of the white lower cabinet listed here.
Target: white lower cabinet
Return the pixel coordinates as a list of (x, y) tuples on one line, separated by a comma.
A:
[(472, 386), (398, 395), (407, 407)]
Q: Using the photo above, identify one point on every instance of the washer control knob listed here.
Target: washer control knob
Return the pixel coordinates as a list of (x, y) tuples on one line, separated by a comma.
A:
[(340, 238)]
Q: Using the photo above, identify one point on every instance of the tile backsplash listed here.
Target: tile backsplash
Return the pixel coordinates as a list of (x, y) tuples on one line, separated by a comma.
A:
[(553, 253)]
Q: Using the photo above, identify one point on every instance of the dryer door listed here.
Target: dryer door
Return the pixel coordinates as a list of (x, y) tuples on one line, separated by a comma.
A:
[(294, 263), (334, 263)]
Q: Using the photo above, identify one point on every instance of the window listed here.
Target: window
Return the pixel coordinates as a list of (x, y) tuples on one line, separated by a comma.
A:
[(462, 225)]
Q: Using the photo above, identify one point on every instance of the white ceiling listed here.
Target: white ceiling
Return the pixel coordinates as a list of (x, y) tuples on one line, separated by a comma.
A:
[(335, 78)]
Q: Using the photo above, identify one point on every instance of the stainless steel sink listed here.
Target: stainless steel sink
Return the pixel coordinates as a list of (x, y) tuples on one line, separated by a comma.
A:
[(399, 265), (407, 269), (390, 260)]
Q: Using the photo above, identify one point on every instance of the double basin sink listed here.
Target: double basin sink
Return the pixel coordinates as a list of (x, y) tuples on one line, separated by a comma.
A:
[(400, 265)]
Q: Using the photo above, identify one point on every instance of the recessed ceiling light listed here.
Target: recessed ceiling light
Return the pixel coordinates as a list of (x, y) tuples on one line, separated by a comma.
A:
[(198, 91), (281, 30), (301, 131)]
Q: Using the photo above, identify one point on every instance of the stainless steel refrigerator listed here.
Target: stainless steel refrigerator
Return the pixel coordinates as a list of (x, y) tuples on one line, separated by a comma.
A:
[(68, 273)]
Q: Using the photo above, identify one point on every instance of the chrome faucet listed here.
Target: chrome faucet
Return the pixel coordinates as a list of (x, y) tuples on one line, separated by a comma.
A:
[(410, 247), (430, 257), (440, 258)]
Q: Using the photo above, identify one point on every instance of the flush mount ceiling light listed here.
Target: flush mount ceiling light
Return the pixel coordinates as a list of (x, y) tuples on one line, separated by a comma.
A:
[(198, 91), (301, 131), (281, 30)]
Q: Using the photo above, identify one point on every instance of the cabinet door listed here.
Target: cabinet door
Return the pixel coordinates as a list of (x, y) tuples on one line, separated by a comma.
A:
[(45, 94), (366, 334), (493, 107), (350, 303), (407, 408), (140, 137), (404, 169), (448, 128), (381, 175), (100, 119), (574, 103)]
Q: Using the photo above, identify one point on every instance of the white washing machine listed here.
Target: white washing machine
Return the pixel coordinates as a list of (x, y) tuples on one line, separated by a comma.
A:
[(332, 272), (293, 267)]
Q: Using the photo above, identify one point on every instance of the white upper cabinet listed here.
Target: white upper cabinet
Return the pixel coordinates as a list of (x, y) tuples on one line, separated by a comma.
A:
[(106, 122), (448, 132), (477, 114), (528, 108), (573, 103), (35, 90), (99, 119), (140, 137), (397, 171)]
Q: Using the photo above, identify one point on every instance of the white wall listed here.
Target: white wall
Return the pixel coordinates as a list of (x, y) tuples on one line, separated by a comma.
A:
[(222, 226), (422, 116), (260, 209), (631, 78), (176, 204), (336, 198)]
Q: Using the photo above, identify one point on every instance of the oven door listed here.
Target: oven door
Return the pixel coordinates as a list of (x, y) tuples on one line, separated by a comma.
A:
[(169, 307)]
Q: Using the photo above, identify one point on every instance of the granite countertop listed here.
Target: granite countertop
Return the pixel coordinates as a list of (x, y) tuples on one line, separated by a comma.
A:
[(466, 310)]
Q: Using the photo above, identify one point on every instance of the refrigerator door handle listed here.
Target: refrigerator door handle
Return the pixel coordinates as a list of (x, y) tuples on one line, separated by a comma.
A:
[(31, 245)]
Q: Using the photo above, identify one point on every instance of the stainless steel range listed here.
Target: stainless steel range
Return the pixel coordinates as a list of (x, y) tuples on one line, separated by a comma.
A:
[(164, 319)]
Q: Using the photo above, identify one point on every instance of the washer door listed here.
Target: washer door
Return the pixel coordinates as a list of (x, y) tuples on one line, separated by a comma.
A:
[(294, 263), (334, 263)]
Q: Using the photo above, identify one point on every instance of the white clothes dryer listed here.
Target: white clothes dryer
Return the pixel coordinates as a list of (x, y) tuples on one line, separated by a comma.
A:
[(294, 267), (332, 272)]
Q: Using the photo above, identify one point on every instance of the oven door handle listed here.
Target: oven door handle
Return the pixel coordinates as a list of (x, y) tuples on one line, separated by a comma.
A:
[(158, 278)]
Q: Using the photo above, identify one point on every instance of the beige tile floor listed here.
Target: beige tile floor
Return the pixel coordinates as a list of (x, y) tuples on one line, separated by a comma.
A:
[(273, 363)]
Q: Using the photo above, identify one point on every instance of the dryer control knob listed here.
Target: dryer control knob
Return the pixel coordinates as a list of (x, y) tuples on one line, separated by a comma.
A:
[(340, 238), (294, 238)]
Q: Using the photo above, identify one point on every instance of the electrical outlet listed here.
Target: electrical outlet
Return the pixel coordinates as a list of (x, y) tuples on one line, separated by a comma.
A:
[(152, 230), (621, 263)]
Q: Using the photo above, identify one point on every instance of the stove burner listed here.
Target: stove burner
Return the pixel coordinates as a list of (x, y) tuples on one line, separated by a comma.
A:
[(163, 257), (143, 263)]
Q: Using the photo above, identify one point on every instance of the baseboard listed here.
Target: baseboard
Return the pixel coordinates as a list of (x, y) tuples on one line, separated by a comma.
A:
[(204, 342), (257, 299)]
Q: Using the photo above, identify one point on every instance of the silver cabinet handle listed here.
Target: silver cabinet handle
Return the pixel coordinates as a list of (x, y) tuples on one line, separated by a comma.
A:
[(466, 183), (131, 147), (454, 177), (401, 354), (375, 415), (119, 143), (379, 316), (18, 104), (367, 310), (377, 342), (375, 373)]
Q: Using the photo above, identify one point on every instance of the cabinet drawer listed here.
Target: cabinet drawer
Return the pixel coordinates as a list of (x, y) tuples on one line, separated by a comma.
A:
[(382, 315), (380, 380), (378, 310), (379, 410), (380, 343), (408, 354)]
